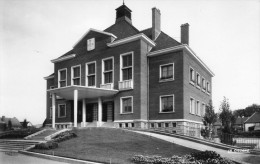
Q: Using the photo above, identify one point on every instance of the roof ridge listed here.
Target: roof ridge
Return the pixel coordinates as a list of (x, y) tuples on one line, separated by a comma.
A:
[(250, 117)]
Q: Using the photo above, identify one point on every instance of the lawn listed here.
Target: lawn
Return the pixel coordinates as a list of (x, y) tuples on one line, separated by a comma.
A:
[(115, 145)]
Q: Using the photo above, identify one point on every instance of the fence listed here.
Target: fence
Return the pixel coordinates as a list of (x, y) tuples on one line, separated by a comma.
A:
[(236, 140)]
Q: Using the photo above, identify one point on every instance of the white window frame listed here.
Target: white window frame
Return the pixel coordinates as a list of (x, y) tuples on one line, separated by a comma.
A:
[(203, 110), (91, 74), (208, 87), (198, 85), (197, 108), (91, 44), (121, 64), (59, 111), (51, 87), (203, 84), (103, 70), (192, 106), (121, 104), (50, 110), (160, 73), (193, 76), (72, 74), (172, 104), (59, 77)]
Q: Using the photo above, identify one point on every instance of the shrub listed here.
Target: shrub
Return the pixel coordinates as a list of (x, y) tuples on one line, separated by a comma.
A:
[(64, 136), (196, 158), (47, 145)]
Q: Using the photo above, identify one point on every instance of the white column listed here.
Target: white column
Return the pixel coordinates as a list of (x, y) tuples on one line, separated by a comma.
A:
[(84, 112), (53, 96), (75, 108), (99, 111)]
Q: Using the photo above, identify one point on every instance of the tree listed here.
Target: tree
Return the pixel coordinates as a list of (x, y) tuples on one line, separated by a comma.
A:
[(251, 110), (209, 119), (10, 124), (226, 116), (24, 124)]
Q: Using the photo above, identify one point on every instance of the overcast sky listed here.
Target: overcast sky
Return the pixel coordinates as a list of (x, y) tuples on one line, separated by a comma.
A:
[(224, 34)]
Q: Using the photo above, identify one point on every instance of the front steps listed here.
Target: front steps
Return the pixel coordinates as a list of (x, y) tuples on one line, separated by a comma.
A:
[(41, 136), (15, 145)]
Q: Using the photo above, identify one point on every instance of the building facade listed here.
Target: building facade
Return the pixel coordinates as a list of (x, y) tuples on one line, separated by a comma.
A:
[(126, 78)]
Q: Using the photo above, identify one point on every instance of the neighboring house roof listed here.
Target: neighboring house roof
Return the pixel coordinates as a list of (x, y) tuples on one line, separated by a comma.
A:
[(240, 120), (15, 121), (255, 118), (217, 123), (49, 77)]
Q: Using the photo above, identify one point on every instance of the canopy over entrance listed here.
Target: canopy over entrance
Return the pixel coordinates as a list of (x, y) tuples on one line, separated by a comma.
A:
[(83, 92)]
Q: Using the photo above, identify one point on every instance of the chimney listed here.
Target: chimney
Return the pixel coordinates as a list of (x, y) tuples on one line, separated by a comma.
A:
[(185, 33), (156, 23)]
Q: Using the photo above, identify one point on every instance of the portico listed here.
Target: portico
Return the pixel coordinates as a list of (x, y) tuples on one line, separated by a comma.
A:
[(81, 93)]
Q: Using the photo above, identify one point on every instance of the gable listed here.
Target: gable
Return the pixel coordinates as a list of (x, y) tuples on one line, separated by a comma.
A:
[(98, 35)]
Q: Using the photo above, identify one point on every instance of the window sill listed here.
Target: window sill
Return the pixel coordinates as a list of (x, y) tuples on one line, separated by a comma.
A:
[(208, 93), (165, 80), (192, 83), (203, 90), (198, 87), (166, 112), (91, 86), (127, 113)]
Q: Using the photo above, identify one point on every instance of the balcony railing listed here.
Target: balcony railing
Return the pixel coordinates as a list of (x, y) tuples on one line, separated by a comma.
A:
[(126, 84), (107, 86)]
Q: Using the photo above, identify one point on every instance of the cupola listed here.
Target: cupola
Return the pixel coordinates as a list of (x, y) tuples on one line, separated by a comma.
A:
[(123, 13)]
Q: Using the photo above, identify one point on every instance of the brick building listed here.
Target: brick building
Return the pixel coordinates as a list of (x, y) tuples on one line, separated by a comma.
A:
[(126, 78)]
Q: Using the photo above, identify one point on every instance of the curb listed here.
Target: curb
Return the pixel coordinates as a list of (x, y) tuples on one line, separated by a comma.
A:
[(57, 158)]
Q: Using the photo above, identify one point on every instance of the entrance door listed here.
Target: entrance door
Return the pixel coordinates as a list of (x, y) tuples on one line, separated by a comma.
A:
[(108, 111), (89, 113)]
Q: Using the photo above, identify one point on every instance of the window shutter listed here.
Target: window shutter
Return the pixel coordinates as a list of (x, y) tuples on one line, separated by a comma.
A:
[(91, 44)]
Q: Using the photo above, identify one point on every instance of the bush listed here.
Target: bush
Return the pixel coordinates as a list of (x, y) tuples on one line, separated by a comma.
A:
[(64, 136), (196, 158), (47, 145), (21, 133)]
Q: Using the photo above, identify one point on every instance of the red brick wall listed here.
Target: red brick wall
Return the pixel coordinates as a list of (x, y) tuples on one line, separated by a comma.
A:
[(157, 89), (193, 91)]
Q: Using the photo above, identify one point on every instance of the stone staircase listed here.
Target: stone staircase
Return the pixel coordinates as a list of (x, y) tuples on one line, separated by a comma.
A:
[(41, 136), (15, 145)]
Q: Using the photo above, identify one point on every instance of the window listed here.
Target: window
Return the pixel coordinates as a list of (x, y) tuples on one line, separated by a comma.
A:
[(51, 87), (62, 110), (152, 125), (75, 74), (167, 71), (174, 124), (159, 125), (91, 44), (108, 71), (50, 112), (192, 106), (166, 125), (91, 74), (132, 125), (198, 79), (203, 84), (203, 109), (62, 77), (127, 66), (167, 103), (208, 87), (126, 105), (192, 75), (198, 108)]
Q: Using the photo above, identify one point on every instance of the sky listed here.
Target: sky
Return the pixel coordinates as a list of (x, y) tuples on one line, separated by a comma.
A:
[(224, 34)]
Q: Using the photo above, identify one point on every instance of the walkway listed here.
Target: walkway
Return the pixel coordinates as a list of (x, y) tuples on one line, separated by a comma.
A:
[(24, 159), (239, 157)]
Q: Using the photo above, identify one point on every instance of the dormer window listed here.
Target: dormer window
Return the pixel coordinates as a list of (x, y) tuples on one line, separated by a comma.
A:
[(91, 44)]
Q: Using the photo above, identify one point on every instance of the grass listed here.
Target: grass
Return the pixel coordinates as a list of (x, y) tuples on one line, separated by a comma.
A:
[(115, 145)]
